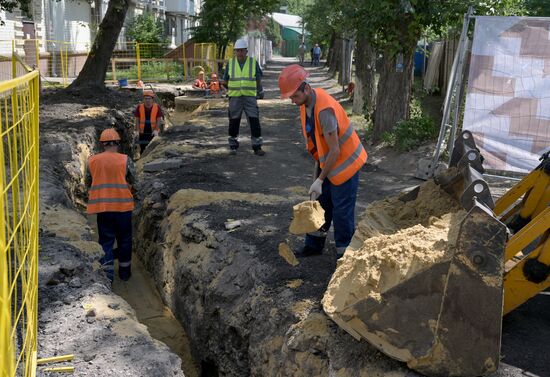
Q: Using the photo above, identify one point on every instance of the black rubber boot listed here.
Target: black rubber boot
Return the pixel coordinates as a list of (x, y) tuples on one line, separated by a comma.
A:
[(258, 150)]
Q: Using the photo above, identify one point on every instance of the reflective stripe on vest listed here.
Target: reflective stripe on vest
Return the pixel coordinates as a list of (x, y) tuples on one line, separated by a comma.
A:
[(242, 82), (152, 118), (109, 191), (352, 154)]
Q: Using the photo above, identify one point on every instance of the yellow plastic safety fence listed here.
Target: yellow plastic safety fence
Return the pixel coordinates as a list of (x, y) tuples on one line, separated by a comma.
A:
[(60, 62), (19, 224), (124, 62), (11, 64), (144, 61), (158, 63), (206, 55)]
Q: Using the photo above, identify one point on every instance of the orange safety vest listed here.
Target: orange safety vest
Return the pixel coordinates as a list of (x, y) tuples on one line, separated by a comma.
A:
[(352, 154), (215, 86), (200, 83), (153, 118), (110, 192)]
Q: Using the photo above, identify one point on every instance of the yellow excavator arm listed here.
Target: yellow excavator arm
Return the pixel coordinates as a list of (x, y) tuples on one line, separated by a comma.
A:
[(436, 302), (524, 209)]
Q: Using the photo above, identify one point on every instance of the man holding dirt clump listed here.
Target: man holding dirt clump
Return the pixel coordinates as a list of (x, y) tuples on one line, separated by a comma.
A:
[(149, 119), (338, 154), (110, 177), (242, 77)]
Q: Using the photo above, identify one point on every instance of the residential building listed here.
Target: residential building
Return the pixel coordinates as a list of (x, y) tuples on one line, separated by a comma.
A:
[(292, 31), (180, 19)]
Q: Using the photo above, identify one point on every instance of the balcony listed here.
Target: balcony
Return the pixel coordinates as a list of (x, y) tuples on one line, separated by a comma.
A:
[(152, 4), (177, 6)]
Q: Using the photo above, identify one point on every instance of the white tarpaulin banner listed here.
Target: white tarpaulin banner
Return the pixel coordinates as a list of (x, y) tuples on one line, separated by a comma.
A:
[(508, 98)]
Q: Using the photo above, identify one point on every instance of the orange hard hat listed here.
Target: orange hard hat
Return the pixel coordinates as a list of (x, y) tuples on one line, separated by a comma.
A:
[(148, 93), (291, 78), (109, 134)]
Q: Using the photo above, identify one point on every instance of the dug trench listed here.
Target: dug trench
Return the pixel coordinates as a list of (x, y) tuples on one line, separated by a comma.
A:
[(207, 231)]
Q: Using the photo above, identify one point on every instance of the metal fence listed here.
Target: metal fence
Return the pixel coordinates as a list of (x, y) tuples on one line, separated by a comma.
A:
[(19, 224), (61, 62)]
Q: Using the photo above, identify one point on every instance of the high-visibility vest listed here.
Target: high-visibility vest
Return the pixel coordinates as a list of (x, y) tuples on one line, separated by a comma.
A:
[(200, 83), (215, 86), (242, 82), (110, 192), (352, 154), (152, 118)]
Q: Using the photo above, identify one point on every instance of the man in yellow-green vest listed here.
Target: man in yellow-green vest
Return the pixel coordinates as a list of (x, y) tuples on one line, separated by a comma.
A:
[(242, 77)]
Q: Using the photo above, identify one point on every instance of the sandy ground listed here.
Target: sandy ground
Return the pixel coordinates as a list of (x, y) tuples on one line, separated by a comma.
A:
[(141, 293), (279, 179)]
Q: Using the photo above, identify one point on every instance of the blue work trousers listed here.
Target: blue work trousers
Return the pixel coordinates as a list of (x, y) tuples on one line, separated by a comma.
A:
[(117, 226), (339, 205)]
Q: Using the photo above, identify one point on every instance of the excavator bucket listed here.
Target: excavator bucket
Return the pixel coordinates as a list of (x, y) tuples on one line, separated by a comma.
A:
[(422, 279)]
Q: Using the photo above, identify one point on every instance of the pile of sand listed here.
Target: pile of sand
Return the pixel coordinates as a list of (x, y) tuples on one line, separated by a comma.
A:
[(393, 241), (390, 215), (309, 216)]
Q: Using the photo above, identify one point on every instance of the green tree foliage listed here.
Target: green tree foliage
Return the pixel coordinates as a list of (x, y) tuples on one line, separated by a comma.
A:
[(146, 29), (297, 7), (11, 5), (322, 19), (149, 32), (539, 8), (273, 32), (222, 22)]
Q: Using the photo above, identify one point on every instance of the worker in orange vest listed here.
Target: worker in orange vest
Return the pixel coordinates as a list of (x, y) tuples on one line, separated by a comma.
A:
[(109, 179), (338, 153), (214, 86), (199, 82), (149, 119)]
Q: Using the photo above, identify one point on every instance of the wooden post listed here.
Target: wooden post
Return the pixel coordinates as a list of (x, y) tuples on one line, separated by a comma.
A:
[(113, 65)]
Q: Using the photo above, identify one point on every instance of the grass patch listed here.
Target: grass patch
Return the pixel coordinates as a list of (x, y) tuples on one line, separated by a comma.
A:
[(154, 70)]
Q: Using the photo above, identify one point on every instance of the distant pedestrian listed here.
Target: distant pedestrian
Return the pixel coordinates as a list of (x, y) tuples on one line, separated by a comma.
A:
[(301, 53), (109, 178), (316, 55), (311, 55)]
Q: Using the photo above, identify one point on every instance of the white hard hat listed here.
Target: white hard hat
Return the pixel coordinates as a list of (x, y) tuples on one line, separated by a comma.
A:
[(241, 43)]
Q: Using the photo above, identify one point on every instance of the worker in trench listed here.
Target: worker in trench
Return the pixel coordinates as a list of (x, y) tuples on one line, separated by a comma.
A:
[(110, 179), (149, 119), (243, 79), (338, 153), (200, 83)]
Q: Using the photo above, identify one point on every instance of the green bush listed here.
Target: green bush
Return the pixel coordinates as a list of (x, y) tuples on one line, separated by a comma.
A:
[(153, 70), (409, 134)]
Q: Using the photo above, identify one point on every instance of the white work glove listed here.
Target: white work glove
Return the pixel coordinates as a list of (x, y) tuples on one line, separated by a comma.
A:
[(155, 133), (316, 189)]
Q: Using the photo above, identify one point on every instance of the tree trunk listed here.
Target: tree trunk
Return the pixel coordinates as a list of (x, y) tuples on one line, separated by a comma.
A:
[(364, 94), (330, 54), (336, 60), (93, 73), (394, 92)]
